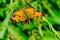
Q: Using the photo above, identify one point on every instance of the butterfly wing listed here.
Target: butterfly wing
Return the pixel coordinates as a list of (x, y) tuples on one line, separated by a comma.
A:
[(32, 13), (18, 15)]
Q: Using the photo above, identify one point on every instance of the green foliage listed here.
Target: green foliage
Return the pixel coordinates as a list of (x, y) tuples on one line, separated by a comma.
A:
[(45, 28)]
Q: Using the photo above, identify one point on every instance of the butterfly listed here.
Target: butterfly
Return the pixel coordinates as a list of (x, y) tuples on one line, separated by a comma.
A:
[(25, 14)]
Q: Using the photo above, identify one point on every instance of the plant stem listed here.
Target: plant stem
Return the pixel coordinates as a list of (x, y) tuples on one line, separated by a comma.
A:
[(40, 27), (40, 30), (50, 25), (47, 7), (5, 22)]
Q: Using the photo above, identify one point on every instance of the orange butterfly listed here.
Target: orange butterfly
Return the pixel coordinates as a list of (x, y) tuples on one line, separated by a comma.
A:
[(25, 14)]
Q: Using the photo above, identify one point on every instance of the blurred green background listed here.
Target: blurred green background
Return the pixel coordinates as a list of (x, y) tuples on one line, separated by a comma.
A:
[(46, 28)]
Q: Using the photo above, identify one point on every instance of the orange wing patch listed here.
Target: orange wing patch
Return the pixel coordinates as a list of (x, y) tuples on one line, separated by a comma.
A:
[(37, 14), (29, 11)]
